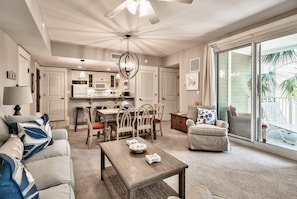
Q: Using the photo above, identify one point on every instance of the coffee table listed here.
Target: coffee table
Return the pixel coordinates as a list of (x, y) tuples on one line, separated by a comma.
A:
[(133, 170)]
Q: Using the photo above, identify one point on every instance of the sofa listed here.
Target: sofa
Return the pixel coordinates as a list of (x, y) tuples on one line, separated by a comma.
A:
[(44, 171), (205, 131)]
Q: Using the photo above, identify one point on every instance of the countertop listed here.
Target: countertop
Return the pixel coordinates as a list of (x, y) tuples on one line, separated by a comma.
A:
[(98, 97)]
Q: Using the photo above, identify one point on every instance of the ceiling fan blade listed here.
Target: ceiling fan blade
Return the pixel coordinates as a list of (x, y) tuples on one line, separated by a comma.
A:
[(116, 10), (151, 14), (181, 1)]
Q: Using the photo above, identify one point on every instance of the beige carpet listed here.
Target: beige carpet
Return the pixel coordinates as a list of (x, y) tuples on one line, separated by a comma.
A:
[(238, 174)]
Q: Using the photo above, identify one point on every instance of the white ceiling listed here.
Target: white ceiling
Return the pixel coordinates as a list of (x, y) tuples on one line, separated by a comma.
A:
[(181, 26)]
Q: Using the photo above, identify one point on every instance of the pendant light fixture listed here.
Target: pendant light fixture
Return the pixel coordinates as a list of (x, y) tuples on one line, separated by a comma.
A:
[(82, 74), (128, 63)]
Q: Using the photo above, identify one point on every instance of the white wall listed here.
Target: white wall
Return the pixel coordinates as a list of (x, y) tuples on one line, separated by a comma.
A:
[(8, 62), (183, 60)]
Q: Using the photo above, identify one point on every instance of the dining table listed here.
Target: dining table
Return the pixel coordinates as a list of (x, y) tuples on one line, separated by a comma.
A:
[(110, 115)]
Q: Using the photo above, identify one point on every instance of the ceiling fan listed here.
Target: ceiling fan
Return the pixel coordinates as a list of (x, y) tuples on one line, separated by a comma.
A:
[(142, 7)]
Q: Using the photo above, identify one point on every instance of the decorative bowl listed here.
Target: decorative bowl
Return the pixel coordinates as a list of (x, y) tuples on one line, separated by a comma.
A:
[(137, 147)]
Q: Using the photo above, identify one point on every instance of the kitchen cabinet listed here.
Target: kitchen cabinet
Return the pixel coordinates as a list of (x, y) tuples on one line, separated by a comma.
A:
[(91, 77), (112, 81)]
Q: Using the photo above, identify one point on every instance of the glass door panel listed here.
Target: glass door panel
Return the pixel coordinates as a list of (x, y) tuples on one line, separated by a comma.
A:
[(234, 89), (278, 89)]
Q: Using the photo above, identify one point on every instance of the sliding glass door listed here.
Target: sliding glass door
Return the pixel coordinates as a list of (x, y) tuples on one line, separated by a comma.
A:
[(278, 63), (257, 91), (234, 90)]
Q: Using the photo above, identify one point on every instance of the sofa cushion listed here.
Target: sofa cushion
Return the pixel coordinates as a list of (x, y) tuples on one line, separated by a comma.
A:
[(208, 130), (192, 112), (58, 148), (206, 116), (36, 135), (13, 147), (52, 171), (62, 191), (15, 180), (21, 118), (4, 132)]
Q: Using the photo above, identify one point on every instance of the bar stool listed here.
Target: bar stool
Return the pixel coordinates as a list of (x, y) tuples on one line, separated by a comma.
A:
[(80, 109)]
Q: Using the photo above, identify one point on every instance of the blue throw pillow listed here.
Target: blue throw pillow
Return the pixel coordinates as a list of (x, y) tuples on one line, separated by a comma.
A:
[(15, 180), (206, 116), (35, 135)]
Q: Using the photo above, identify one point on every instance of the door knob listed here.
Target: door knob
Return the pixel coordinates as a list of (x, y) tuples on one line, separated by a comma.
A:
[(62, 98), (140, 99), (163, 98)]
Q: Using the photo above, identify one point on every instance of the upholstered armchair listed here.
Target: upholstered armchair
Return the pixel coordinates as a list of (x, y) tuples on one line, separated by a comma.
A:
[(239, 123), (206, 132)]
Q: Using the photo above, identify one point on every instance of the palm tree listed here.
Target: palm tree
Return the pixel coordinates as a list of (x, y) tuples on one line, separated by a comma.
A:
[(278, 60), (268, 81), (289, 86)]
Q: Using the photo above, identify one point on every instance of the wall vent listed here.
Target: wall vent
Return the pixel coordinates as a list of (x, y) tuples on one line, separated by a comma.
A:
[(115, 56), (195, 64)]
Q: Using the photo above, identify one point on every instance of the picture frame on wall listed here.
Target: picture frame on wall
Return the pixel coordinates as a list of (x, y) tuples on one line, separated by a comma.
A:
[(192, 81)]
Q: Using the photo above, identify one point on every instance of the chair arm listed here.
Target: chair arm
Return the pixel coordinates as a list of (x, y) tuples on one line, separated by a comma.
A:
[(190, 122), (222, 124), (60, 134)]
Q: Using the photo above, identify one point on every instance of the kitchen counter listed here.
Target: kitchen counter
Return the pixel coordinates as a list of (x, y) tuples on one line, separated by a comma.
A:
[(99, 97), (93, 102)]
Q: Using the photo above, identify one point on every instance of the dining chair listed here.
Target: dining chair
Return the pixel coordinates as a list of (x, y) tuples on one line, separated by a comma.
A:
[(94, 128), (159, 109), (106, 105), (125, 122), (109, 105), (145, 119)]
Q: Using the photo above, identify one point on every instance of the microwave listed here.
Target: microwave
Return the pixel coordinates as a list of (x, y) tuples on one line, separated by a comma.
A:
[(101, 85)]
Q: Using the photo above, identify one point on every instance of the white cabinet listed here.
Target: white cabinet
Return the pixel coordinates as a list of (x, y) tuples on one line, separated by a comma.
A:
[(92, 77), (112, 81)]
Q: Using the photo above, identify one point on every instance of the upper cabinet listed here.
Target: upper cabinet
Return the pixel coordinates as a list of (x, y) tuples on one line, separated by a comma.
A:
[(94, 77)]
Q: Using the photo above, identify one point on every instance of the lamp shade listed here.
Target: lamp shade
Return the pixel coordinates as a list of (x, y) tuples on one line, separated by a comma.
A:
[(17, 95)]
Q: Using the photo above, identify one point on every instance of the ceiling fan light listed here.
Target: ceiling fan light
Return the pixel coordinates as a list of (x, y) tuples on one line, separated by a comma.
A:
[(144, 8), (132, 6)]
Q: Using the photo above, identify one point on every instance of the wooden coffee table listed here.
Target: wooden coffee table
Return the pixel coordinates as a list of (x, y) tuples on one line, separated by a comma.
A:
[(133, 170)]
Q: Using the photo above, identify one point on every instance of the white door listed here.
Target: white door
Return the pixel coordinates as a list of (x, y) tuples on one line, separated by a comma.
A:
[(146, 86), (169, 91), (24, 75), (53, 93)]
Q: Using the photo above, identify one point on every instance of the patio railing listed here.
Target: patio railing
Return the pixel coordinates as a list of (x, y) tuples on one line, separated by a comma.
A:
[(281, 109)]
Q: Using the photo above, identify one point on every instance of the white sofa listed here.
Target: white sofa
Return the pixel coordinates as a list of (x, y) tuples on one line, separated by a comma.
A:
[(51, 168)]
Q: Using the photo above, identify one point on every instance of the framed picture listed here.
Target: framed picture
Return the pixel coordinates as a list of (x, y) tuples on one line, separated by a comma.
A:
[(192, 81)]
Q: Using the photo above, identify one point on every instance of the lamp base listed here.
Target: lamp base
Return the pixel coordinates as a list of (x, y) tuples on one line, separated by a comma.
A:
[(17, 109)]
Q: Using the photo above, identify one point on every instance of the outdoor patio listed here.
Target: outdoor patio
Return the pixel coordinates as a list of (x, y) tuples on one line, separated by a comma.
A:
[(274, 138)]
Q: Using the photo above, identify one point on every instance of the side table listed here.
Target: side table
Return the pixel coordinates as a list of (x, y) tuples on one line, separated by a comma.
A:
[(178, 121)]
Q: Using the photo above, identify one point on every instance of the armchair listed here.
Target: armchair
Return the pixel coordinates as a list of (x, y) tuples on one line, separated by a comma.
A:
[(209, 137), (239, 123)]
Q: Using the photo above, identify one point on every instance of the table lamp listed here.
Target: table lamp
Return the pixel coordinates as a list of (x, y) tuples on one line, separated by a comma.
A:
[(17, 95)]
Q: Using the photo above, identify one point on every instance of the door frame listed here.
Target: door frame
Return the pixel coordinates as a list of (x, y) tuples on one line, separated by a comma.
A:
[(44, 70), (155, 84), (167, 69)]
